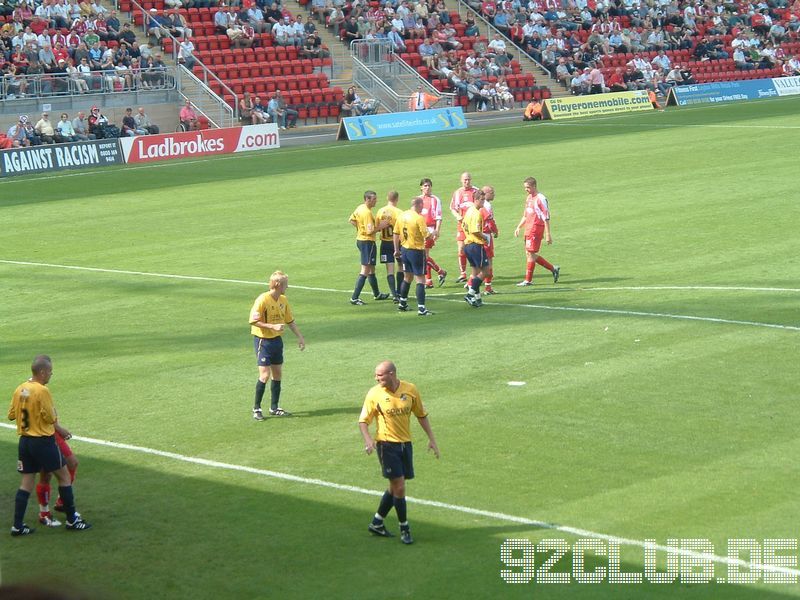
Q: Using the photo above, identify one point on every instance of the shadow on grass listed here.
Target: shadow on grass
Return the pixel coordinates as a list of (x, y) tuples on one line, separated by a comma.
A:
[(169, 530)]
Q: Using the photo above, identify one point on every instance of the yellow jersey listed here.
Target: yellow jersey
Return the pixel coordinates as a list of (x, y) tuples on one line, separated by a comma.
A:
[(473, 226), (32, 408), (390, 213), (393, 411), (412, 230), (365, 223), (271, 311)]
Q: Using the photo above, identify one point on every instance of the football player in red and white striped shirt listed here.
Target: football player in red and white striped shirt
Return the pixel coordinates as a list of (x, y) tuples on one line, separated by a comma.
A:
[(459, 203), (432, 213), (536, 219)]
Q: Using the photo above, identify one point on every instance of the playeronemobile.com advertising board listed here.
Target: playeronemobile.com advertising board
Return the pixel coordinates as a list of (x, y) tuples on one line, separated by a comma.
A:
[(370, 127), (596, 105), (206, 142), (80, 155)]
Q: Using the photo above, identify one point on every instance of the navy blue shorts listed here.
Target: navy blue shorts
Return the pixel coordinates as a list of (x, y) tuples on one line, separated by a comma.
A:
[(397, 459), (268, 351), (413, 261), (38, 454), (368, 252), (387, 252), (476, 255)]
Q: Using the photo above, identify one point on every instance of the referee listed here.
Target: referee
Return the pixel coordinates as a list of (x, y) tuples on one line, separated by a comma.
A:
[(33, 410), (391, 403)]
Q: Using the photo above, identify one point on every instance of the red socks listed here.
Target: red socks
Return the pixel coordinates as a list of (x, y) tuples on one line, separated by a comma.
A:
[(544, 263)]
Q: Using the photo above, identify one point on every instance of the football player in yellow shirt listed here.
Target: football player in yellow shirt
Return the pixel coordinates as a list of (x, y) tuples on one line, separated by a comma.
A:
[(269, 316), (391, 404), (410, 233), (33, 410), (390, 213), (475, 248), (366, 227)]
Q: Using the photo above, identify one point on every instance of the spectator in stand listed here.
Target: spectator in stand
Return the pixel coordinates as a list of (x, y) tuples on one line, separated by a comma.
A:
[(792, 67), (282, 33), (17, 133), (674, 77), (188, 117), (65, 130), (259, 112), (246, 108), (129, 124), (313, 47), (580, 82), (616, 82), (221, 22), (144, 123), (280, 112), (177, 26), (45, 130), (596, 80), (350, 31), (98, 123), (186, 54), (155, 27), (81, 127), (255, 17), (742, 60)]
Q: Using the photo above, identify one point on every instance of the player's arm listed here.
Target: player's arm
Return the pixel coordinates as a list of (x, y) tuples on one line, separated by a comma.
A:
[(301, 341), (453, 210), (354, 222), (12, 411), (369, 443), (519, 225), (396, 242), (547, 237), (62, 431), (426, 426)]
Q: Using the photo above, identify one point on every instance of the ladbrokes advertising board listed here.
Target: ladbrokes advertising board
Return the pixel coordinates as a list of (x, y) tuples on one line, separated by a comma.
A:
[(596, 105), (206, 142)]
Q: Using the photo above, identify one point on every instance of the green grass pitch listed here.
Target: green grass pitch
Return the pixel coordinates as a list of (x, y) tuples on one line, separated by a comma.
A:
[(660, 400)]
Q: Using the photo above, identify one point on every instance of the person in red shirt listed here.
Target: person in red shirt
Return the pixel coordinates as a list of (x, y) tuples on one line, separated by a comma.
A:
[(490, 231), (432, 213), (459, 203), (536, 219)]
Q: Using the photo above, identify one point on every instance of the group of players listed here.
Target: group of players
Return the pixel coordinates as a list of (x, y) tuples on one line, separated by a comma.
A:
[(407, 238)]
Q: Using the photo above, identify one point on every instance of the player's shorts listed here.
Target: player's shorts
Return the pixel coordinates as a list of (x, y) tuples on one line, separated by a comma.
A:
[(269, 351), (37, 454), (430, 242), (63, 446), (368, 252), (413, 261), (397, 459), (387, 252), (476, 255), (533, 241)]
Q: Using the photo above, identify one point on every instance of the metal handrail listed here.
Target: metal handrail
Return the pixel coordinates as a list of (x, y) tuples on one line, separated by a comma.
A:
[(492, 29), (63, 85), (382, 62), (208, 74), (225, 108)]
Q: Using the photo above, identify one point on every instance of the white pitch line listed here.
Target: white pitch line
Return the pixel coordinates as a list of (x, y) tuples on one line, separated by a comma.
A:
[(499, 516), (608, 311)]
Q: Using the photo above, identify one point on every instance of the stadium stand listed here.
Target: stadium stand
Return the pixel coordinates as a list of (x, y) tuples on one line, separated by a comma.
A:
[(699, 37)]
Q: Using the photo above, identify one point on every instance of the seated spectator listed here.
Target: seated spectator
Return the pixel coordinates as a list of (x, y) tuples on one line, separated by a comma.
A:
[(246, 108), (616, 82), (155, 27), (129, 124), (45, 130), (81, 127), (579, 84), (259, 113), (99, 125), (312, 48), (791, 67), (188, 117), (352, 103), (280, 112), (65, 130), (186, 54), (674, 77), (17, 133), (222, 21), (742, 59), (144, 123)]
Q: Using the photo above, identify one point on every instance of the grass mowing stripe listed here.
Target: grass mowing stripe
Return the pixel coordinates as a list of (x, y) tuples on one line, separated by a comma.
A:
[(576, 531), (608, 311)]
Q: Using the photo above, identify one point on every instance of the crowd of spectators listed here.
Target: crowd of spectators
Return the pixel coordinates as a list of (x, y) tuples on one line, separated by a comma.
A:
[(74, 47), (578, 40), (26, 133)]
